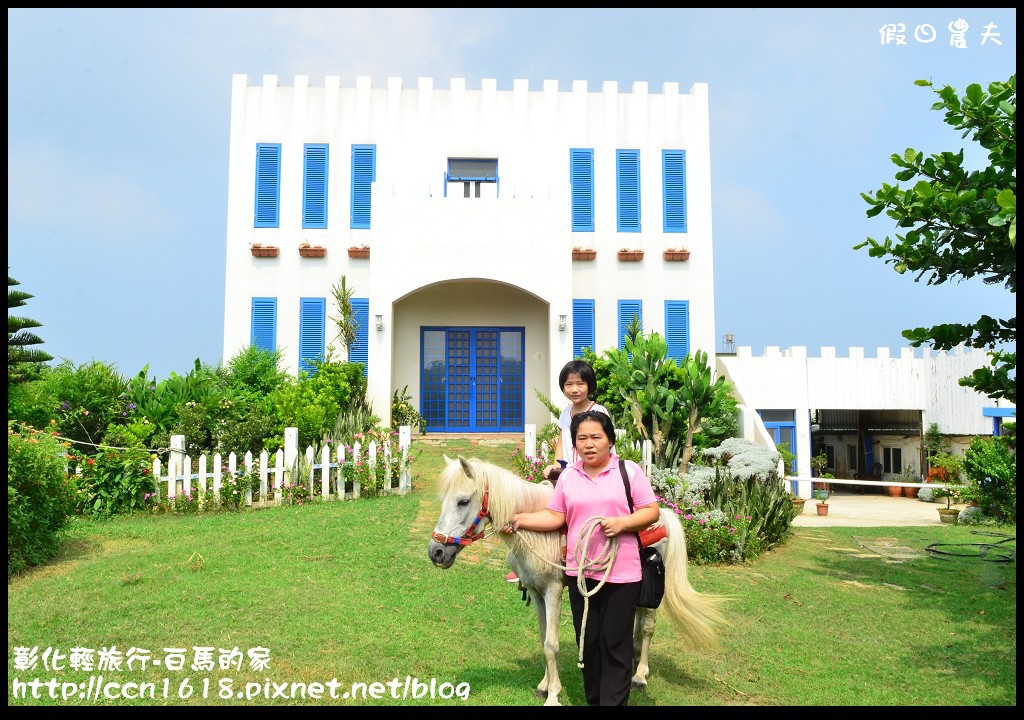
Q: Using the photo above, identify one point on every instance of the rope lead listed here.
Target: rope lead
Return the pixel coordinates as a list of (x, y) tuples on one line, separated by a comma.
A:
[(602, 562)]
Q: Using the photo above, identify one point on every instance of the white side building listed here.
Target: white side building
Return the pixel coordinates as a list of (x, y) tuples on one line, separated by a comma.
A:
[(868, 415)]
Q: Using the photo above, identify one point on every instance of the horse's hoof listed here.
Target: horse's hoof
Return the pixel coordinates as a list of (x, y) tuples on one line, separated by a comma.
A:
[(542, 694), (639, 685)]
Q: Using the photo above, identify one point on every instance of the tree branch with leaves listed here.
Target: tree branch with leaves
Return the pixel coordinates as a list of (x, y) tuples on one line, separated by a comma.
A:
[(961, 224), (22, 361)]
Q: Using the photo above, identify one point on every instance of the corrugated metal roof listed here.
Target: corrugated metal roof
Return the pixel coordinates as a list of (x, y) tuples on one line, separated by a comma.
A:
[(905, 422)]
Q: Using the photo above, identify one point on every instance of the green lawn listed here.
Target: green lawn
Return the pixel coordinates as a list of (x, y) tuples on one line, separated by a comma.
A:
[(344, 591)]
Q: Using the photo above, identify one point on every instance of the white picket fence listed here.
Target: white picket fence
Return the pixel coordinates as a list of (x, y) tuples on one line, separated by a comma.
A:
[(644, 447), (324, 477)]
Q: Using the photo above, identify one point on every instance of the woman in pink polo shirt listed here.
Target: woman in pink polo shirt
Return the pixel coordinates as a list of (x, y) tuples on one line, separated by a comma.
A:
[(588, 488)]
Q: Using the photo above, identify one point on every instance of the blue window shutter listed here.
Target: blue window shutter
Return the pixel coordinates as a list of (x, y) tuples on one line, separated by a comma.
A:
[(312, 331), (268, 185), (677, 329), (358, 351), (628, 309), (364, 172), (582, 327), (581, 183), (264, 323), (314, 187), (673, 176), (627, 189)]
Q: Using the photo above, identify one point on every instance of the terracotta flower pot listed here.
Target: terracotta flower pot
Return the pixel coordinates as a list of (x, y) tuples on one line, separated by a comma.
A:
[(584, 254), (631, 255), (910, 492), (676, 255), (313, 251), (822, 509), (265, 251), (894, 490), (358, 252)]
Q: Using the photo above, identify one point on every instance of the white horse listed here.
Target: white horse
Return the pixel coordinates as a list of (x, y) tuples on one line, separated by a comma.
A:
[(474, 493)]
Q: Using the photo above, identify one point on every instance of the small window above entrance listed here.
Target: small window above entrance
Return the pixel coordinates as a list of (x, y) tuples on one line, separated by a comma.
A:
[(472, 173)]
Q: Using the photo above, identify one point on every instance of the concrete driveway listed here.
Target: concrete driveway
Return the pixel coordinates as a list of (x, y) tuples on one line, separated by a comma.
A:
[(855, 510)]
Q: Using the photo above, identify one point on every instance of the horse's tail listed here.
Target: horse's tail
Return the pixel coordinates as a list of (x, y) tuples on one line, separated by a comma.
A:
[(698, 615)]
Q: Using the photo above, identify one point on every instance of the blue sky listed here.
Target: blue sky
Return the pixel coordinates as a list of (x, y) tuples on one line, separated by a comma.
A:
[(118, 125)]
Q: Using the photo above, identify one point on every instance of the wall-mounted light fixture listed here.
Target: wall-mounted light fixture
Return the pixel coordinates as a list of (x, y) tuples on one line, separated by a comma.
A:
[(561, 322), (379, 321)]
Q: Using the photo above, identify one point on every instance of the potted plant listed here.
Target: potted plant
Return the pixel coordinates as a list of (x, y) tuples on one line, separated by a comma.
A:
[(798, 505), (948, 468), (822, 495), (909, 476), (631, 255), (307, 250), (261, 250), (676, 254), (579, 253), (818, 464), (947, 515), (359, 251)]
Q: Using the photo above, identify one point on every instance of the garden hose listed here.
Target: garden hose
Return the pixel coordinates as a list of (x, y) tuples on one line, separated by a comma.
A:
[(989, 551)]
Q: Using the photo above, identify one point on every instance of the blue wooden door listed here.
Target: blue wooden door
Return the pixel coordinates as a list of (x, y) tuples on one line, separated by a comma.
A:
[(472, 379), (782, 426)]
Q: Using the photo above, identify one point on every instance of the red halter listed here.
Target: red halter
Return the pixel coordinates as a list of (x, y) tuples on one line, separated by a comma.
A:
[(468, 537)]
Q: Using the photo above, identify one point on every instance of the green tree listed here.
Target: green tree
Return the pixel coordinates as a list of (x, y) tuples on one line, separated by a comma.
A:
[(22, 361), (702, 398), (676, 406), (961, 224)]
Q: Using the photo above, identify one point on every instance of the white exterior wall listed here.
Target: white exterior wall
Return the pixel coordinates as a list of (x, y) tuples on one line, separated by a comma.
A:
[(925, 381), (503, 258)]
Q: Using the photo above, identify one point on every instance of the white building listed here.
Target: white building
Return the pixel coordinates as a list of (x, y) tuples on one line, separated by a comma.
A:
[(471, 202), (864, 413)]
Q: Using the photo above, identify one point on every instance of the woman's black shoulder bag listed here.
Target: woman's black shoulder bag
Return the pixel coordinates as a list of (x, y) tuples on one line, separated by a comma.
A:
[(652, 582)]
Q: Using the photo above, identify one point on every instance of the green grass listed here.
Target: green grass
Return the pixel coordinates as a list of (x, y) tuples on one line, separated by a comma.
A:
[(345, 590)]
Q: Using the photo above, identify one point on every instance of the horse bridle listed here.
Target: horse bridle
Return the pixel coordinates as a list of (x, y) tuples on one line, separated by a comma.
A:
[(468, 537)]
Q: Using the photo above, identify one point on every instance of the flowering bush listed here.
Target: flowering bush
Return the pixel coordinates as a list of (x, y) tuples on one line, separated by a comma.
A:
[(297, 494), (186, 503), (156, 504), (669, 487), (234, 488), (115, 481), (744, 486), (526, 467), (714, 537)]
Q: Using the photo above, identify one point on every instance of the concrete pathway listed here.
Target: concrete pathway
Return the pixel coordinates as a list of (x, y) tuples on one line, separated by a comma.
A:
[(855, 510)]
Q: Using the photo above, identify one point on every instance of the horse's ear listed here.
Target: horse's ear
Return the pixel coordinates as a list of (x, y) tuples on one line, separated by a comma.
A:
[(447, 460), (466, 467)]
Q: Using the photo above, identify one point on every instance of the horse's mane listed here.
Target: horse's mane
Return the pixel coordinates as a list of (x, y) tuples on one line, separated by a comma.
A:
[(507, 492)]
